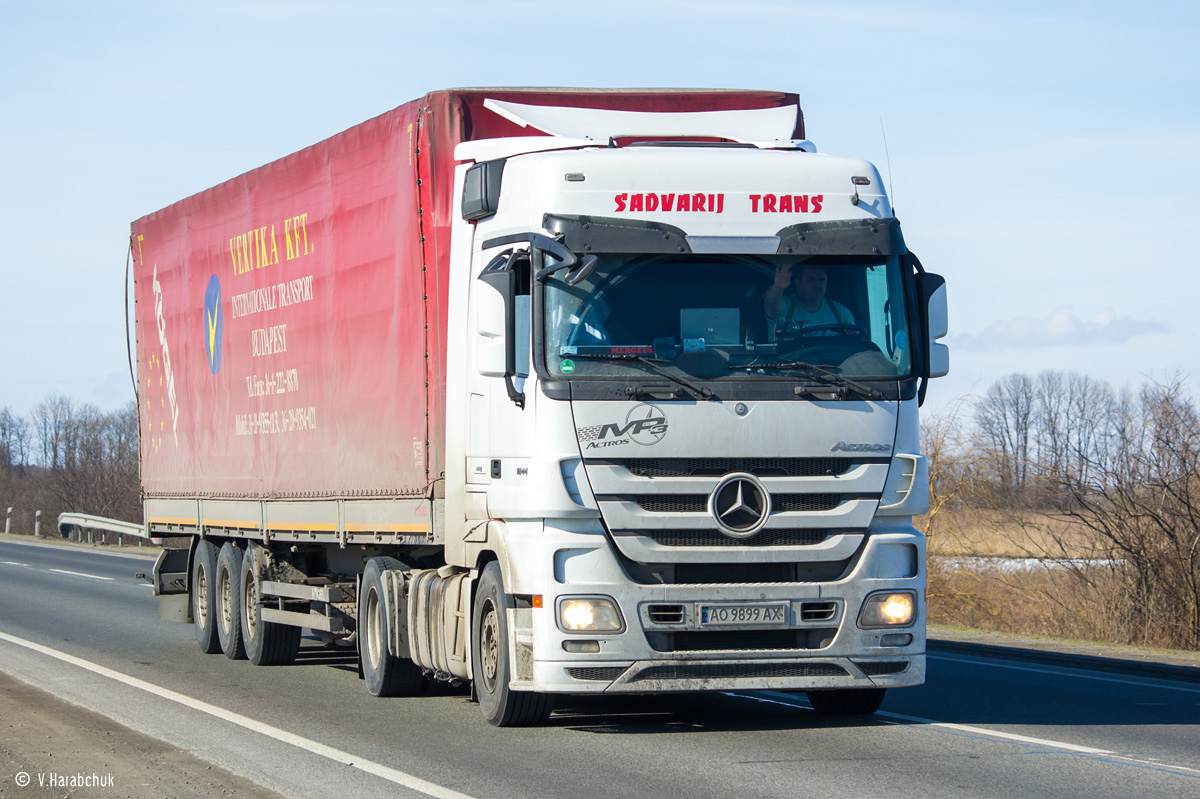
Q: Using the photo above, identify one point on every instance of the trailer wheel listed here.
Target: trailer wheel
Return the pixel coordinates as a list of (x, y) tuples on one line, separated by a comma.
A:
[(501, 706), (204, 571), (228, 606), (384, 673), (849, 702), (267, 643)]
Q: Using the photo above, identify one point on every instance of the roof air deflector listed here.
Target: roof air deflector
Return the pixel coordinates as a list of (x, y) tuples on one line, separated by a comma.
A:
[(601, 124)]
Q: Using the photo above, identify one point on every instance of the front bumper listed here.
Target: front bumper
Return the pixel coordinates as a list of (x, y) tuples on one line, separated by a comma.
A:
[(659, 652), (741, 674)]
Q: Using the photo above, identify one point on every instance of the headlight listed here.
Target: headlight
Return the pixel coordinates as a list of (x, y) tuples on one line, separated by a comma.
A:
[(895, 609), (589, 614)]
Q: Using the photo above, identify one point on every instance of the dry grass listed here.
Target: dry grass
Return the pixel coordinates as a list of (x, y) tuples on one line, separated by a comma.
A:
[(1084, 600), (1046, 602), (974, 533)]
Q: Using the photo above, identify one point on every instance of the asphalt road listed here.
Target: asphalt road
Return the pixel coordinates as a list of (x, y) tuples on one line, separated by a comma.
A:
[(77, 624)]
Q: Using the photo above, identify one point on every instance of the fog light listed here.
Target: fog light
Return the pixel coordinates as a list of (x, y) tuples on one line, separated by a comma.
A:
[(896, 609), (586, 647), (580, 614)]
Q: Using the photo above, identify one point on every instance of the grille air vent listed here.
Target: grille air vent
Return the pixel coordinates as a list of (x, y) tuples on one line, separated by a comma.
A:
[(665, 614), (744, 640), (874, 668), (597, 673), (818, 611), (672, 503), (716, 467), (701, 671), (714, 538), (698, 503)]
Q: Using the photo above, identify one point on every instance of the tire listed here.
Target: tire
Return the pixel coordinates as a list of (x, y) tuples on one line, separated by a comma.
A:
[(267, 643), (204, 571), (384, 673), (501, 706), (228, 607), (850, 702)]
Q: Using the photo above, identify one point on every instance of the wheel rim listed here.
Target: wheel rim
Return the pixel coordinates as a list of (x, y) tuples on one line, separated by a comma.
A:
[(225, 602), (489, 647), (374, 630), (201, 596), (249, 607)]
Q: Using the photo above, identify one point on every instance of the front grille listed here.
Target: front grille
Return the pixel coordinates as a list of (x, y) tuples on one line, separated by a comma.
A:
[(671, 503), (736, 573), (712, 640), (748, 573), (740, 640), (708, 671), (698, 503), (715, 538), (875, 668), (805, 502), (597, 673), (716, 467)]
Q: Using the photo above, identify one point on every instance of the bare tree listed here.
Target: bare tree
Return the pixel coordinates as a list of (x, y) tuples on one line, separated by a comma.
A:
[(14, 441), (956, 464), (51, 420), (1004, 417), (1139, 499)]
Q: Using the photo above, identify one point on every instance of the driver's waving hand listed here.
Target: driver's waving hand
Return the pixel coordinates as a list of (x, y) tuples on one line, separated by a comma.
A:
[(806, 304)]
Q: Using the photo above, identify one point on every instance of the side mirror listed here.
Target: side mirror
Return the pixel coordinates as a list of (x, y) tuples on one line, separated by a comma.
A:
[(936, 321), (502, 320), (481, 191)]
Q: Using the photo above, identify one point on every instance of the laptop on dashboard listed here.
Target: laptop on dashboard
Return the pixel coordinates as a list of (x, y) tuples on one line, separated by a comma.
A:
[(714, 325)]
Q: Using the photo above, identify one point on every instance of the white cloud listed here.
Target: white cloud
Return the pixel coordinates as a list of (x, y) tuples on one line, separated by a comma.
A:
[(1061, 328)]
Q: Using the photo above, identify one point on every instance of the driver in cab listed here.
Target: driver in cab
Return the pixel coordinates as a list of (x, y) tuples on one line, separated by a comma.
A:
[(806, 304)]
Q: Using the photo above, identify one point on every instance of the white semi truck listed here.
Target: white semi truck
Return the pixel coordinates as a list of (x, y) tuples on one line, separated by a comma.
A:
[(548, 391)]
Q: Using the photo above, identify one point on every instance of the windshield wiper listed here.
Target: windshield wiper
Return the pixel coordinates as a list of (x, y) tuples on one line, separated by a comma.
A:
[(823, 373), (653, 363)]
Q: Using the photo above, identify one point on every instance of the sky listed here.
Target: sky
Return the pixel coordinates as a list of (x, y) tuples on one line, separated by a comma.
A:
[(1040, 154)]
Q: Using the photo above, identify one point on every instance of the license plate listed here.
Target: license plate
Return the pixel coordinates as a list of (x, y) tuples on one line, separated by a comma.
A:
[(734, 615)]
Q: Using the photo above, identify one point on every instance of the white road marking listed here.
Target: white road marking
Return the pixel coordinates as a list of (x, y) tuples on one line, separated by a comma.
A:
[(147, 553), (345, 758), (1069, 672), (985, 732), (1025, 739), (79, 574), (112, 580), (1008, 736)]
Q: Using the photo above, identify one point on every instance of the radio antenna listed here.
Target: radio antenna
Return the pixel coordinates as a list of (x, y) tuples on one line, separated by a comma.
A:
[(888, 156)]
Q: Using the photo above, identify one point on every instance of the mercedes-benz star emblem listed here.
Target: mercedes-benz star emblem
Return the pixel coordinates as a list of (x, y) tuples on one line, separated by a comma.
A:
[(740, 504)]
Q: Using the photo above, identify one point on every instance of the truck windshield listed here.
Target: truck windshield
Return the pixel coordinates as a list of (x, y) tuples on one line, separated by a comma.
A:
[(729, 316)]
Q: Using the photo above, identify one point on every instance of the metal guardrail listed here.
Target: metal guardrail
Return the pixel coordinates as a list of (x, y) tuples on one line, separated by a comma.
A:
[(85, 521)]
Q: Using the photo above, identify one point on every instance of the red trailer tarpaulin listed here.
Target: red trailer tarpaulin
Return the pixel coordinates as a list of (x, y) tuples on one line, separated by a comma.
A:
[(291, 322)]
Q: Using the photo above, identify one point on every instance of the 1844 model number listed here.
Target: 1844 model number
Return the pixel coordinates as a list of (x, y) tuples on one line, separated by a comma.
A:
[(723, 615)]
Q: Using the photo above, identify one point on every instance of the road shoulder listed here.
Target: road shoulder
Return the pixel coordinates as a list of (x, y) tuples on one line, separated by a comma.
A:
[(1129, 660), (149, 551), (42, 735)]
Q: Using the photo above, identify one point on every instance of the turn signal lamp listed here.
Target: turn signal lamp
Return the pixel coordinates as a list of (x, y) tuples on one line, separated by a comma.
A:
[(894, 609)]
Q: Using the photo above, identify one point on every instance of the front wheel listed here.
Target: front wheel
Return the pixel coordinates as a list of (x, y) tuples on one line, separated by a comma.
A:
[(501, 706), (849, 702)]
